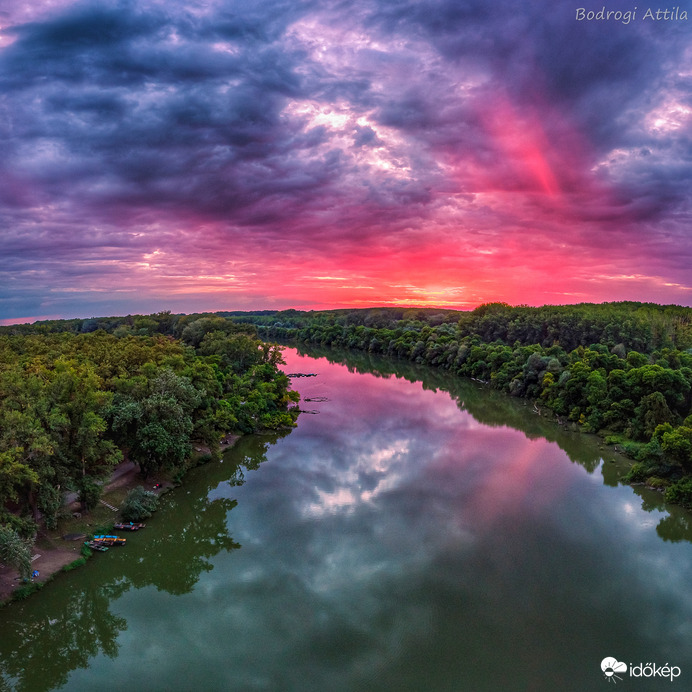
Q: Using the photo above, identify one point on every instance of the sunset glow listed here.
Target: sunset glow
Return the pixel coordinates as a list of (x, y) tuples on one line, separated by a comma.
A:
[(226, 155)]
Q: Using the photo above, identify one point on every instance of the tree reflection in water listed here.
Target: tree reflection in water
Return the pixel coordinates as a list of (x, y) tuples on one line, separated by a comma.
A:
[(496, 409), (487, 406), (676, 527), (68, 628), (41, 655)]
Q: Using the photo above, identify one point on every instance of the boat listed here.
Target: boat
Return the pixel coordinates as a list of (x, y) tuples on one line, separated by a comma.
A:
[(110, 540), (96, 546), (129, 526)]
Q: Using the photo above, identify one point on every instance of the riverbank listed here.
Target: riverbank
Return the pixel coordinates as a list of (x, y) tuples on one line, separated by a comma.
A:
[(384, 542), (56, 549), (641, 411)]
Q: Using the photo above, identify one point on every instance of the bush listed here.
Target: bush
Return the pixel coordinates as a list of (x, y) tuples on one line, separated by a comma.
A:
[(680, 492), (73, 565), (656, 483), (15, 551), (631, 449), (139, 504), (638, 473), (25, 591)]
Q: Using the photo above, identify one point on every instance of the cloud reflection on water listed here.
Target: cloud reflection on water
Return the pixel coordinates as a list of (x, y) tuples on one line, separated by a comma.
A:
[(392, 542)]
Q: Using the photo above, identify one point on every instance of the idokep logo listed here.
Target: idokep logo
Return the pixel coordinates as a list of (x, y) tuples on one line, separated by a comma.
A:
[(611, 667), (613, 670)]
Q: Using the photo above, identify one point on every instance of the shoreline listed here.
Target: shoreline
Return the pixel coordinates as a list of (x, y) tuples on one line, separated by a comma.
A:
[(54, 553), (652, 474)]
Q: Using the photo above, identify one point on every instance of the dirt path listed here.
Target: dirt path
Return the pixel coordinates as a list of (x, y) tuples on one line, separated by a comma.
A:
[(55, 551), (47, 560)]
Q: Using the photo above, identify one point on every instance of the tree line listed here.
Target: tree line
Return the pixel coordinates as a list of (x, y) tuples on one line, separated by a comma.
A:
[(623, 370), (76, 396), (75, 402)]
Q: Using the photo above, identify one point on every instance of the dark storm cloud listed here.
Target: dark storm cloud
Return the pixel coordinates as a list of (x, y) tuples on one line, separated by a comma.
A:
[(603, 76), (320, 124), (530, 45), (141, 112)]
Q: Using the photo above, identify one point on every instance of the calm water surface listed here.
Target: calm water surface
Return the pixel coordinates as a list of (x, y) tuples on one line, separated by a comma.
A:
[(403, 538)]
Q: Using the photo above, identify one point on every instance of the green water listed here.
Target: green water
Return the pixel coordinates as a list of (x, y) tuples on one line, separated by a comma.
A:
[(414, 534)]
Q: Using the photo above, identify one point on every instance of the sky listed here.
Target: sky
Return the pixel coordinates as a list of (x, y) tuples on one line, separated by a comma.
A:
[(232, 155)]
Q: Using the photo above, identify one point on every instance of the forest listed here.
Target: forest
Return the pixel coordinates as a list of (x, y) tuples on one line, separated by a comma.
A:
[(78, 397), (622, 370)]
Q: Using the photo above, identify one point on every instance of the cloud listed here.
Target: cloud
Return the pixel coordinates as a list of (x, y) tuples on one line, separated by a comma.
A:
[(281, 136), (612, 665)]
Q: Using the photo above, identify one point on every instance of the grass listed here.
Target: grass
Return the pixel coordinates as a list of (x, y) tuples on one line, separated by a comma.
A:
[(73, 565), (98, 520), (25, 591)]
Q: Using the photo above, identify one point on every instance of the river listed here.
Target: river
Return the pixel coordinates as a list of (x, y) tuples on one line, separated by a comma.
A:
[(414, 532)]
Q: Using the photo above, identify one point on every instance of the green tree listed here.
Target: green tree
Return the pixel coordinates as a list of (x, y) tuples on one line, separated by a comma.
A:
[(677, 445), (156, 430), (14, 475), (15, 551), (652, 411), (138, 504), (82, 448)]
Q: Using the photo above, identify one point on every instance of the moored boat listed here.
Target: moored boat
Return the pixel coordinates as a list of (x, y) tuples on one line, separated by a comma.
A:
[(110, 540), (94, 545)]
